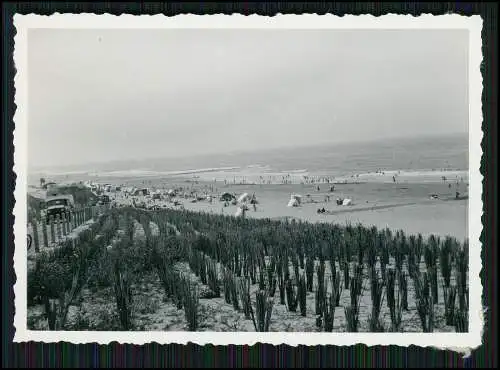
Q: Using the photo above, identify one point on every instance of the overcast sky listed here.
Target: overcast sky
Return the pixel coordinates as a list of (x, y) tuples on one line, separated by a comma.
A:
[(99, 95)]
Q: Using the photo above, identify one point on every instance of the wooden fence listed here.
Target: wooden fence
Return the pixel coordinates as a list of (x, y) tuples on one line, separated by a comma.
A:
[(48, 232)]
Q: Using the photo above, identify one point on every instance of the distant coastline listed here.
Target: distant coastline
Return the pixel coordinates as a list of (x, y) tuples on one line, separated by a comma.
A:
[(413, 156)]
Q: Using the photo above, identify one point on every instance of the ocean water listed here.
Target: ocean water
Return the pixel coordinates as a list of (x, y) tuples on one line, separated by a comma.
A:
[(409, 154)]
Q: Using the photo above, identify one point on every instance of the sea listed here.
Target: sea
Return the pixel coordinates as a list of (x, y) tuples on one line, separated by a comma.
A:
[(417, 154)]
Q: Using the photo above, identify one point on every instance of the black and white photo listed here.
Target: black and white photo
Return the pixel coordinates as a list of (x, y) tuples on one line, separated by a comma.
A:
[(226, 179)]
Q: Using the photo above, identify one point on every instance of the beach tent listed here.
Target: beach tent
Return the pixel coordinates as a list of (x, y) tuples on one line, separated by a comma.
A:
[(227, 197), (243, 198), (296, 197), (347, 202), (295, 200)]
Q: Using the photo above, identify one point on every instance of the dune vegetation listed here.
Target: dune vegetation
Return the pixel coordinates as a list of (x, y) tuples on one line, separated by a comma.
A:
[(180, 270)]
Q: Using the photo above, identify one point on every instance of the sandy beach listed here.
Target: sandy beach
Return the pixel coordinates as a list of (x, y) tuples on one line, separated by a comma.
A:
[(377, 200)]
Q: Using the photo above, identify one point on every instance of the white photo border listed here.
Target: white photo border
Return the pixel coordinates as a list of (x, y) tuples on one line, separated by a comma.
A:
[(460, 342)]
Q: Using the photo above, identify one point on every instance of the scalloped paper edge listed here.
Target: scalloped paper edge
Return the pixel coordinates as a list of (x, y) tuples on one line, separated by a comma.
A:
[(459, 342)]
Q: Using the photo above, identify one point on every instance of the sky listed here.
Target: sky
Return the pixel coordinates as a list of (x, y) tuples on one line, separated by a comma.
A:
[(104, 95)]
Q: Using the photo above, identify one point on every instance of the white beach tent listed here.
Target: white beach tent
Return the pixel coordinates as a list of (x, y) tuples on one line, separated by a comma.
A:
[(295, 200), (243, 198), (347, 202)]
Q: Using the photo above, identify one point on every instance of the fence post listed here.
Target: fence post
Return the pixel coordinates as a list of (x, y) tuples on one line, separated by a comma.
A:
[(44, 232), (58, 227), (36, 241), (52, 231), (63, 224)]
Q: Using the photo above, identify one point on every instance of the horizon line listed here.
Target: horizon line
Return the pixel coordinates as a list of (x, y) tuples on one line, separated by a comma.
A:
[(40, 169)]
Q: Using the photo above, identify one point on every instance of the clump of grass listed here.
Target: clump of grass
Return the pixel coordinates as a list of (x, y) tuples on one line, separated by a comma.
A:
[(445, 260), (346, 270), (271, 269), (461, 322), (191, 303), (425, 303), (51, 311), (272, 283), (462, 262), (291, 296), (384, 253), (281, 285), (196, 261), (295, 264), (302, 295), (351, 315), (320, 291), (399, 253), (244, 292), (329, 311), (336, 288), (376, 291), (168, 277), (462, 316), (352, 311), (227, 278), (393, 300), (309, 273), (57, 310), (371, 255), (203, 269), (430, 256), (264, 309), (262, 281), (213, 277), (450, 294), (123, 296), (403, 289)]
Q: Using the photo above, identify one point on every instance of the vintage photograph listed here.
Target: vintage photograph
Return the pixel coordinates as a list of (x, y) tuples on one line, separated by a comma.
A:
[(273, 179)]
